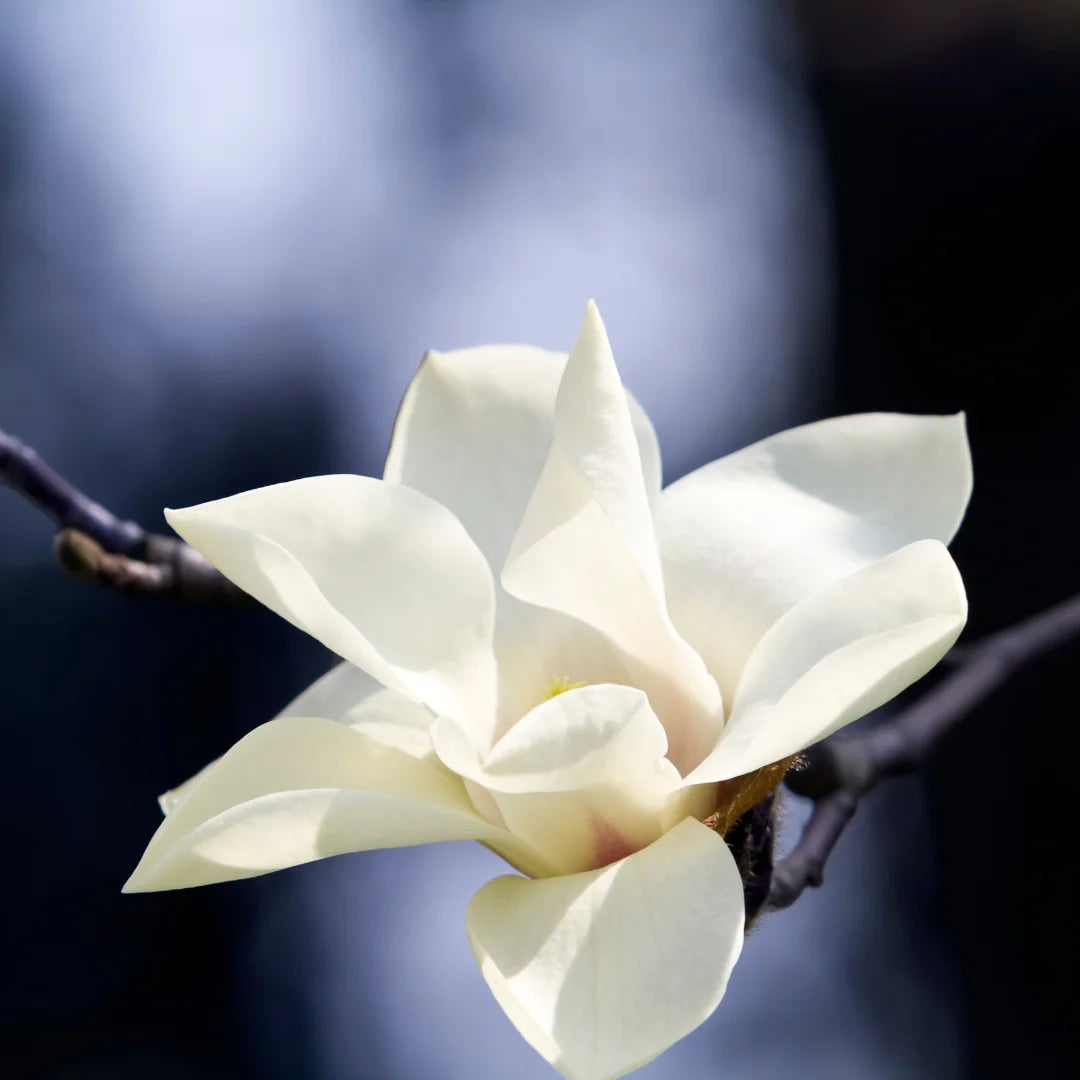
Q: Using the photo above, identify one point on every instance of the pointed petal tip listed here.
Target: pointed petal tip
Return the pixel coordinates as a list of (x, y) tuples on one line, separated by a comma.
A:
[(592, 346), (136, 883), (593, 315), (177, 517), (593, 323), (157, 876), (146, 877)]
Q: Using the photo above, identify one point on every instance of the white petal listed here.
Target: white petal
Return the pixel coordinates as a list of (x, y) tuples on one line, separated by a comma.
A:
[(586, 546), (352, 697), (748, 536), (474, 430), (169, 800), (588, 735), (349, 696), (602, 971), (382, 575), (594, 460), (844, 651), (298, 789), (536, 647), (582, 777)]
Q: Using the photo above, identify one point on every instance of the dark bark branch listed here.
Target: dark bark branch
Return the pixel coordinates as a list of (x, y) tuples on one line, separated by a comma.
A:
[(67, 507), (839, 771), (805, 866), (94, 544)]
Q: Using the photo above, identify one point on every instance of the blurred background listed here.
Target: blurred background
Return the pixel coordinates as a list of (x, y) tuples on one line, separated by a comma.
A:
[(228, 230)]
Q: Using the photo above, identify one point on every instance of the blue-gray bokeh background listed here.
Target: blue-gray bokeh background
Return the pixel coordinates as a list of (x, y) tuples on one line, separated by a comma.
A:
[(227, 233)]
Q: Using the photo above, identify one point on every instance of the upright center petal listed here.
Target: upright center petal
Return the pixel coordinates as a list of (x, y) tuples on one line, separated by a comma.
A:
[(586, 547)]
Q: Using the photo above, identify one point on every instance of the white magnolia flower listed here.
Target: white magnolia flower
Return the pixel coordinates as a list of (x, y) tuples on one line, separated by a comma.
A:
[(545, 652)]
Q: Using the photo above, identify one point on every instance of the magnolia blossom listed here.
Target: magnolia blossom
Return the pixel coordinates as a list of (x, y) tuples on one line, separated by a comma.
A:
[(544, 652)]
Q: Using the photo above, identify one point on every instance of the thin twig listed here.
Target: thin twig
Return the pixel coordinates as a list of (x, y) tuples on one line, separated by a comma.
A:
[(94, 544), (839, 771), (805, 866)]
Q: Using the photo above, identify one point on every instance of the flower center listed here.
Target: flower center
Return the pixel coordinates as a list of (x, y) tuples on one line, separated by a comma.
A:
[(559, 685)]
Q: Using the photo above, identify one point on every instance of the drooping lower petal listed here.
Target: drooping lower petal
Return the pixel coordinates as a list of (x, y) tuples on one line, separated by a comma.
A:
[(840, 653), (382, 575), (602, 971), (746, 537), (348, 696), (298, 789)]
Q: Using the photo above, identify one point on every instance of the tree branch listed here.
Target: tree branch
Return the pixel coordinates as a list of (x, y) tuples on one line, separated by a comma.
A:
[(839, 771), (95, 545)]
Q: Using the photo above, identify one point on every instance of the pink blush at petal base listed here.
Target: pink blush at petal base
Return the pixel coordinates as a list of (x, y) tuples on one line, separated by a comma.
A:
[(609, 845)]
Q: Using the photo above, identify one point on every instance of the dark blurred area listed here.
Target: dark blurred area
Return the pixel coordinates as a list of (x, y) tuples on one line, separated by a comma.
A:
[(823, 209), (955, 173)]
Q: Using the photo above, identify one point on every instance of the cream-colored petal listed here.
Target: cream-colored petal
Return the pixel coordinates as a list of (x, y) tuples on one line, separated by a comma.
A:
[(594, 465), (538, 649), (382, 575), (602, 971), (745, 538), (581, 736), (586, 546), (835, 656), (169, 800), (474, 430), (298, 789), (352, 697), (582, 778)]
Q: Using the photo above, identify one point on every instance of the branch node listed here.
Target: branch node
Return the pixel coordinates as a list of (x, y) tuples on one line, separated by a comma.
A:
[(95, 545), (837, 772)]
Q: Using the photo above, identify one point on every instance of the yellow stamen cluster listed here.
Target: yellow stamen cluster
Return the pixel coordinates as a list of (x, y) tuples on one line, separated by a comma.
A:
[(559, 685)]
